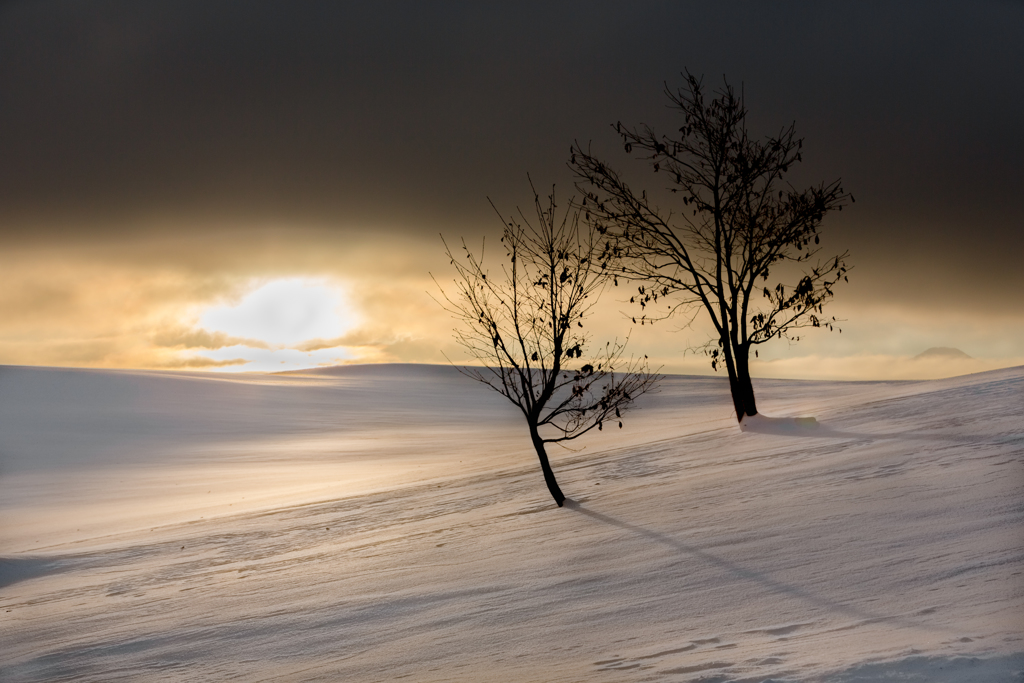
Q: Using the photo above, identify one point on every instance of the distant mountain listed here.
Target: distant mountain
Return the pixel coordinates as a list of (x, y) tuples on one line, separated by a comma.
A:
[(942, 352)]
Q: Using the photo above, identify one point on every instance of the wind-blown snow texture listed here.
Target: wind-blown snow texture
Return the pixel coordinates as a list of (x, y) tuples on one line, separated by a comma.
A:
[(390, 522)]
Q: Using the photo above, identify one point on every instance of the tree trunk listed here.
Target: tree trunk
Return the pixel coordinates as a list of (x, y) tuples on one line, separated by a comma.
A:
[(734, 383), (742, 389), (545, 467), (738, 364)]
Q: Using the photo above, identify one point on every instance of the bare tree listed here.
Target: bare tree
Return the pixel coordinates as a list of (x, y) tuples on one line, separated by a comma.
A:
[(737, 222), (524, 323)]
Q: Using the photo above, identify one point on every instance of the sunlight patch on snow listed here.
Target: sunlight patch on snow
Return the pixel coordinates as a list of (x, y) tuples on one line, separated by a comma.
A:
[(275, 360)]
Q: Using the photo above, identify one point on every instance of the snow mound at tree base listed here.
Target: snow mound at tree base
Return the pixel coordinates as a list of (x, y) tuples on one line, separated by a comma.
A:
[(763, 424)]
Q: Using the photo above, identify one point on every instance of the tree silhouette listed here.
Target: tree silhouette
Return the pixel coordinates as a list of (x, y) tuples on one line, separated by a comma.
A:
[(525, 323), (736, 222)]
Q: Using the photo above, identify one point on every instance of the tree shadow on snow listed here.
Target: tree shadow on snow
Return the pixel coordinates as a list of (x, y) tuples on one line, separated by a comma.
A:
[(741, 571), (809, 426)]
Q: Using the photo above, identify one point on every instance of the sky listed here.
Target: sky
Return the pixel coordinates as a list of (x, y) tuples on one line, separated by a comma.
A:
[(263, 185)]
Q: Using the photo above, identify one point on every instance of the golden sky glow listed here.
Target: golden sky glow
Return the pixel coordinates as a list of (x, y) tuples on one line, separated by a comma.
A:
[(290, 299), (284, 312), (287, 323)]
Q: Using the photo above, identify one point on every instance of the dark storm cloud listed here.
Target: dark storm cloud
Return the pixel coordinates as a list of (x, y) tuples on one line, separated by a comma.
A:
[(404, 116)]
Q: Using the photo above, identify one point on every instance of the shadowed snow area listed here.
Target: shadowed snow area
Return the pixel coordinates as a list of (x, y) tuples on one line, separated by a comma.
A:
[(382, 523)]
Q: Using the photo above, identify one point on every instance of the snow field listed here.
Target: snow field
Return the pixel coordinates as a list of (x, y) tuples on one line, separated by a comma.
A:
[(400, 530)]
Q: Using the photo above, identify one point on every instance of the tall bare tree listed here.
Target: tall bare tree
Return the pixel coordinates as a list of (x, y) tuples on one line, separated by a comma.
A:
[(736, 223), (525, 324)]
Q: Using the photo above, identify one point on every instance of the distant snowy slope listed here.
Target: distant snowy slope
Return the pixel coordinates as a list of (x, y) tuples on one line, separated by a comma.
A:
[(91, 452), (884, 542), (941, 352)]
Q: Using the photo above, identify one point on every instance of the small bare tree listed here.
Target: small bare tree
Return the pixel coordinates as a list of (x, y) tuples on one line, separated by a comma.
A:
[(525, 325), (737, 223)]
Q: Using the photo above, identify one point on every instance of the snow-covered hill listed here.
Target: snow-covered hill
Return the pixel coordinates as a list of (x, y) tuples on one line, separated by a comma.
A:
[(389, 522)]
